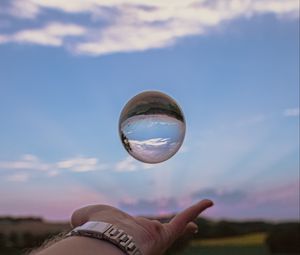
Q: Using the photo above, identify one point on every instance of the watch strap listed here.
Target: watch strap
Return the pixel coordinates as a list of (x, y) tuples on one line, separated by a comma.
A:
[(106, 231)]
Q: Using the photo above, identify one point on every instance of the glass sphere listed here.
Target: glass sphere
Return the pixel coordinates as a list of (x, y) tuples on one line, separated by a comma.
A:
[(152, 127)]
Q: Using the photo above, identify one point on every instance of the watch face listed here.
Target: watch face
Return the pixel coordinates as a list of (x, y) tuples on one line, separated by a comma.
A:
[(94, 226)]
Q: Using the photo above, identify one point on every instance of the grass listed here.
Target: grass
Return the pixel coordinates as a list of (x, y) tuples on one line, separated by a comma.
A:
[(256, 239), (252, 244), (226, 250)]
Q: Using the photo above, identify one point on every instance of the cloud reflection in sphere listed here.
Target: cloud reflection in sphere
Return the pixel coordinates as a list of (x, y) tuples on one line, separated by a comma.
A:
[(152, 127)]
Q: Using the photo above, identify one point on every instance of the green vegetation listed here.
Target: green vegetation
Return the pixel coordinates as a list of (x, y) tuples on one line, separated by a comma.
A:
[(226, 250), (215, 238), (256, 239), (284, 238), (156, 106)]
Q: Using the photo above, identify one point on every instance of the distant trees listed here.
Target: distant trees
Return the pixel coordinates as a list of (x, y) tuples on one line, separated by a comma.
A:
[(284, 238), (219, 229), (9, 219), (2, 240), (20, 234), (13, 242)]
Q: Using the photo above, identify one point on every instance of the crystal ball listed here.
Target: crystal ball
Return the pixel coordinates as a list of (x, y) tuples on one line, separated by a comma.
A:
[(152, 127)]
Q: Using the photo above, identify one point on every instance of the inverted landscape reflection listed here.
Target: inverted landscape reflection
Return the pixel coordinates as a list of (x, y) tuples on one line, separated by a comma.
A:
[(153, 138), (152, 127)]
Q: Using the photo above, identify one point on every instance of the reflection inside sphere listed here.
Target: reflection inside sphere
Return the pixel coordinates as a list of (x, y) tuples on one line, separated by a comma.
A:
[(152, 127)]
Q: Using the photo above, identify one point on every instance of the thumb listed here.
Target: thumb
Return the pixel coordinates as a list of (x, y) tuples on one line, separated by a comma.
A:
[(182, 220)]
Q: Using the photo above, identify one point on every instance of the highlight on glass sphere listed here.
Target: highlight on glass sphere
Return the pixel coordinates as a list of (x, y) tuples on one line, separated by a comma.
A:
[(152, 127)]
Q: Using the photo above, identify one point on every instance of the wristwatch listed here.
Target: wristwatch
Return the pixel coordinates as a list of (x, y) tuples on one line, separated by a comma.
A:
[(106, 231)]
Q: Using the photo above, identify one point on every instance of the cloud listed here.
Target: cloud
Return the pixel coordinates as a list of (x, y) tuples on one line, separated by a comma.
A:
[(154, 142), (165, 205), (134, 25), (18, 177), (24, 9), (53, 34), (30, 163), (54, 200), (136, 29), (291, 112), (4, 39), (150, 207), (154, 150), (278, 202), (129, 164), (27, 162), (81, 164), (221, 196), (283, 194)]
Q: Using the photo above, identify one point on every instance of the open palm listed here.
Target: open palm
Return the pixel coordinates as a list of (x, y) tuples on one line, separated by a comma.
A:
[(151, 236)]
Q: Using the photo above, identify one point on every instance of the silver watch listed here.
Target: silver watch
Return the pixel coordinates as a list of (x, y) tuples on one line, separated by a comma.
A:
[(106, 231)]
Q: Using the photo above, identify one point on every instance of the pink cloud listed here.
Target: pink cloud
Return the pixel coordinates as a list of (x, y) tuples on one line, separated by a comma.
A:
[(54, 204)]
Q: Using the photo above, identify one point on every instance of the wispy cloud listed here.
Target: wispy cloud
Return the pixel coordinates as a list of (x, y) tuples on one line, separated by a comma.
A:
[(53, 34), (150, 207), (22, 169), (154, 142), (18, 177), (221, 195), (125, 165), (135, 25), (129, 164), (27, 162), (277, 203), (23, 9), (291, 112), (81, 164), (167, 205)]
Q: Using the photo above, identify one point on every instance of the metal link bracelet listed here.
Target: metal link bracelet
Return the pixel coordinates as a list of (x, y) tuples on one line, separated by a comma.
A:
[(106, 231)]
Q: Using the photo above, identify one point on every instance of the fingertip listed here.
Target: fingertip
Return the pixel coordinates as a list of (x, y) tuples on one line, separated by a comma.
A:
[(192, 227), (195, 229), (211, 203), (75, 219), (208, 202), (192, 224), (78, 217)]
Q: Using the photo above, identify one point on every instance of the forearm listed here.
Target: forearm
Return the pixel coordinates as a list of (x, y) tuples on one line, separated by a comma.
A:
[(81, 246), (148, 237)]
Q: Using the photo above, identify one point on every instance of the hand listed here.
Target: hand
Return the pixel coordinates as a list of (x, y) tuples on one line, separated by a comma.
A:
[(151, 236)]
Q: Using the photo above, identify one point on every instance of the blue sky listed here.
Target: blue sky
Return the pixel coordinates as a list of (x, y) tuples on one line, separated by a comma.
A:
[(67, 69)]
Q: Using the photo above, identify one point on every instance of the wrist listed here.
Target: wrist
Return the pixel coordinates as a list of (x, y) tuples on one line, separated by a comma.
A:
[(140, 235), (82, 246), (111, 233), (92, 246)]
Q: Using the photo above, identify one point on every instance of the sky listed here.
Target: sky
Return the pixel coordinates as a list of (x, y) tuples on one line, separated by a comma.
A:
[(67, 68)]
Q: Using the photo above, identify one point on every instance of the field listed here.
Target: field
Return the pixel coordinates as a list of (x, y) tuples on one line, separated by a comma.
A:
[(227, 250), (255, 239), (252, 244), (218, 238)]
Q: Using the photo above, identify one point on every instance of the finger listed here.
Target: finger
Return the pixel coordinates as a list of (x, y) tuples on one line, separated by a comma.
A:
[(82, 215), (178, 224), (190, 229), (183, 240)]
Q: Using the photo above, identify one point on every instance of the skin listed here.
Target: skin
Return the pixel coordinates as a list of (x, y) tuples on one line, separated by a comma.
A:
[(151, 236)]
